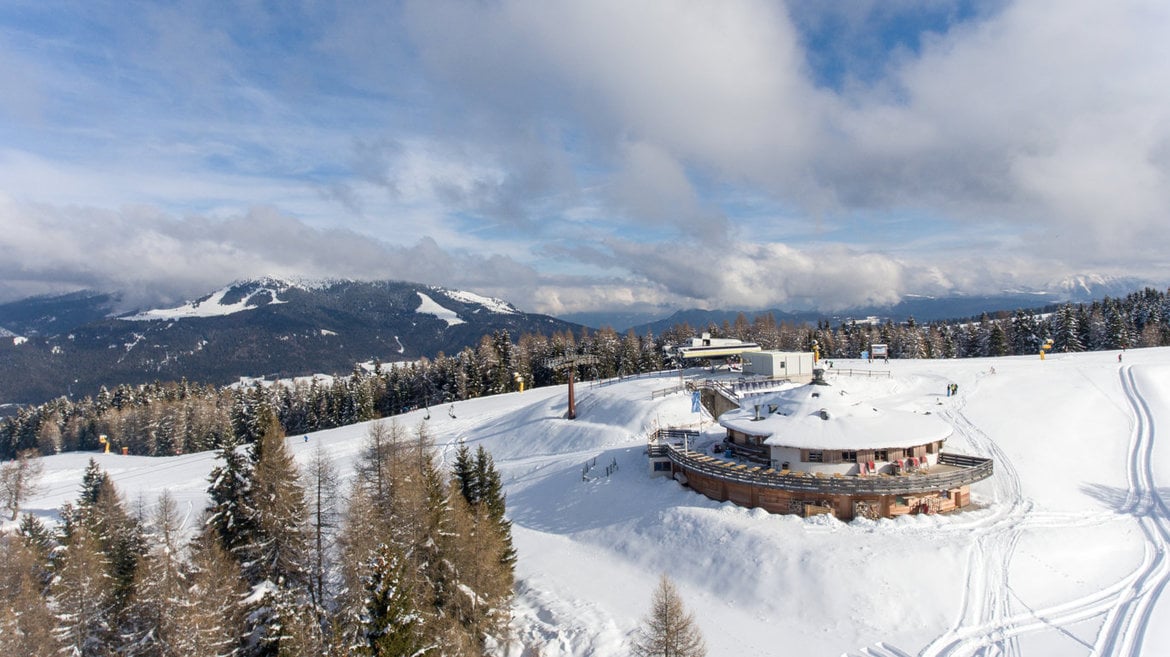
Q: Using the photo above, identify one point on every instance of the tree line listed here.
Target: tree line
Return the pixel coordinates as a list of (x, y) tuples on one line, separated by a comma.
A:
[(170, 418), (408, 560)]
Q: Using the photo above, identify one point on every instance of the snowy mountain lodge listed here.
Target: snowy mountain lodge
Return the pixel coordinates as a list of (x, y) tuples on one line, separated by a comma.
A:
[(821, 448)]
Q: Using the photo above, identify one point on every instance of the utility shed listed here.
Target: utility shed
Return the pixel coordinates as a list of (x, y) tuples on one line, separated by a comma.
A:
[(778, 364)]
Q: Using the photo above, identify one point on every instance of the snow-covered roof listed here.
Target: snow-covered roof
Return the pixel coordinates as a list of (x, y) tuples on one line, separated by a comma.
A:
[(846, 415)]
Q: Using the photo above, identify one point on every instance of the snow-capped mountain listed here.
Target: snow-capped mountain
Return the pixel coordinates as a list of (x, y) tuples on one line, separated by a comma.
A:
[(249, 328)]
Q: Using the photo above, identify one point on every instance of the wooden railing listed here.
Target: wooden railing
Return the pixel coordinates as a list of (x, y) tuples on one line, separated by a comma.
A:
[(969, 469)]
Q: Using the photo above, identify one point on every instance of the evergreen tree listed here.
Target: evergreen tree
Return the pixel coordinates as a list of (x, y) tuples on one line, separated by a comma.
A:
[(492, 498), (1067, 331), (464, 474), (1117, 333), (229, 514), (997, 343), (390, 626)]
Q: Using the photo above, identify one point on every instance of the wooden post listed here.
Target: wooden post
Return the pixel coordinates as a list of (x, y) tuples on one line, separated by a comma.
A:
[(570, 363), (572, 400)]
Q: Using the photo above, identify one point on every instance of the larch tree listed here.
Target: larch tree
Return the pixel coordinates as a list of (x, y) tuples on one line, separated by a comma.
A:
[(19, 479), (80, 596), (211, 623), (275, 556), (321, 498), (161, 588), (668, 630), (26, 622)]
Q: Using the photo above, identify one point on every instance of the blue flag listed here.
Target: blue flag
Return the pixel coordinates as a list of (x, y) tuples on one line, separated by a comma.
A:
[(695, 405)]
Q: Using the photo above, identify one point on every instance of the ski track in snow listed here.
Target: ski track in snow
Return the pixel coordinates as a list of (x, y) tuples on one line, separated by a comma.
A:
[(992, 618), (990, 590)]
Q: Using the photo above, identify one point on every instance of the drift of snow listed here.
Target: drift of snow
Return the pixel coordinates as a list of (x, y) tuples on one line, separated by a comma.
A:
[(429, 306), (1066, 552)]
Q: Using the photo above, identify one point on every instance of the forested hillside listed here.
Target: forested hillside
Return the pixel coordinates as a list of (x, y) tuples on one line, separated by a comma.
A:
[(168, 418), (407, 560)]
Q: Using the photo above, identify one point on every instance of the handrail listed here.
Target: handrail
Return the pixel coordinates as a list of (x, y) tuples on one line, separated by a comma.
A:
[(980, 469)]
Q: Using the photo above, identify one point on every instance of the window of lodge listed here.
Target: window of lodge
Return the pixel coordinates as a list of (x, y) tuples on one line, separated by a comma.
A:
[(815, 456)]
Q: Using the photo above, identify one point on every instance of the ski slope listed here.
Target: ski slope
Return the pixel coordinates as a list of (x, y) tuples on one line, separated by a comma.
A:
[(1065, 552)]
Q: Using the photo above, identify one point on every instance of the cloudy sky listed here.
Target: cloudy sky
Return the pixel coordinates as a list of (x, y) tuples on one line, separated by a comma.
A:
[(589, 155)]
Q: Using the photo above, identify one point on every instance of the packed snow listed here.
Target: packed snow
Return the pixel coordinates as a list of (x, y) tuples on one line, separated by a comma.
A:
[(429, 306), (1064, 553)]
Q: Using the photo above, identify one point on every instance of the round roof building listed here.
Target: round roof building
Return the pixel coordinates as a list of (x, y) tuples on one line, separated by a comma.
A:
[(860, 447)]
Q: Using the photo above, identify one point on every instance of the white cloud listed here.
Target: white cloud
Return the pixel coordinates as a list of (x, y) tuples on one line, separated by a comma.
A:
[(569, 156)]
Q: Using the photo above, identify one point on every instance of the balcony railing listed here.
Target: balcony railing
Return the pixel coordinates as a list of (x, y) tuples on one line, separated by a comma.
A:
[(964, 471)]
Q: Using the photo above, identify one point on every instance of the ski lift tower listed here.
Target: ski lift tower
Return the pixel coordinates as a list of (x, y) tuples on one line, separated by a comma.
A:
[(570, 363)]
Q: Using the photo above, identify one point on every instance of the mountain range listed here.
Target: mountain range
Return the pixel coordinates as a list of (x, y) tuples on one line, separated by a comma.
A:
[(922, 308), (74, 343), (71, 344)]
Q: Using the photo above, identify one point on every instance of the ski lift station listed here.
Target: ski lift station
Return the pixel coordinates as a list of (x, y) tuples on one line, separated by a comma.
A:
[(792, 365), (707, 347)]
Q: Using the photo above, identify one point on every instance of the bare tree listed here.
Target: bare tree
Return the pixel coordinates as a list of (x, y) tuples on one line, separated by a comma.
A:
[(669, 630), (321, 497), (18, 480)]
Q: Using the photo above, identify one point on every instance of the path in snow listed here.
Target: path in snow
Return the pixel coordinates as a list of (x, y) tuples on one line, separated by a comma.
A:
[(1129, 619), (992, 617)]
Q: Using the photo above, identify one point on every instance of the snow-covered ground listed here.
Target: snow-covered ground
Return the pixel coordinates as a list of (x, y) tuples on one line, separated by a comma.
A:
[(1064, 554)]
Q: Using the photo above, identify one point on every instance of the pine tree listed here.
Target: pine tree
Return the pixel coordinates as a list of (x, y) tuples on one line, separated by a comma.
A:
[(997, 343), (669, 630), (1067, 336), (492, 498), (230, 517), (390, 626), (463, 472)]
